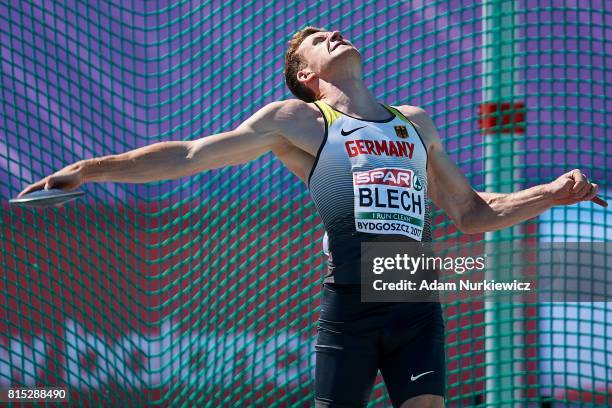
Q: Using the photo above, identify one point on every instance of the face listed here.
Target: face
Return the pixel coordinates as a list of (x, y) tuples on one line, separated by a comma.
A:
[(323, 50)]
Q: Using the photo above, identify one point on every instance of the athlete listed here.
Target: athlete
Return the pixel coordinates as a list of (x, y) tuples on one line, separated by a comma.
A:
[(341, 142)]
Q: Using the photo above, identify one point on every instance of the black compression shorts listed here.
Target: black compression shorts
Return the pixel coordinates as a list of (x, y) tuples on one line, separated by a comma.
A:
[(405, 341)]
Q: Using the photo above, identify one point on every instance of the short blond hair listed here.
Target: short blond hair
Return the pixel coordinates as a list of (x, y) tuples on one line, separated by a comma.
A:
[(294, 63)]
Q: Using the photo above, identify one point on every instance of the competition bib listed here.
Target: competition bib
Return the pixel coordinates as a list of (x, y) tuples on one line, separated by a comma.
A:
[(389, 201)]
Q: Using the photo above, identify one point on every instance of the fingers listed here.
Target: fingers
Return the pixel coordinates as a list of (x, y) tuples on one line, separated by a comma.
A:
[(580, 182), (586, 190), (33, 187), (47, 183), (568, 183), (25, 191), (53, 182), (590, 192), (574, 186), (592, 196)]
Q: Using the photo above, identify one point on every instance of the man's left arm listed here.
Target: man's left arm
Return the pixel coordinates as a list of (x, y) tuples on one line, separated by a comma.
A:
[(474, 212)]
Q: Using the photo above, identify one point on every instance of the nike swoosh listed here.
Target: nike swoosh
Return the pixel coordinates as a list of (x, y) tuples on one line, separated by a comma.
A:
[(350, 131), (416, 377)]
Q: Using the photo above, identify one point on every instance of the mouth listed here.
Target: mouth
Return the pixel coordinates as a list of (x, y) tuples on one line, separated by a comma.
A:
[(339, 44)]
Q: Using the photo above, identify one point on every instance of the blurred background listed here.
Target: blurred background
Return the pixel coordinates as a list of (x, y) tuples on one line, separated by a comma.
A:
[(205, 290)]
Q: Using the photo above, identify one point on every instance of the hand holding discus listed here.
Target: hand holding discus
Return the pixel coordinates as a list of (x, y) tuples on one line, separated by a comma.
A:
[(54, 190)]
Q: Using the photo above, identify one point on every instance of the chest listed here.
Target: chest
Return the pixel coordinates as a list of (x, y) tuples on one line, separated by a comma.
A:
[(395, 142)]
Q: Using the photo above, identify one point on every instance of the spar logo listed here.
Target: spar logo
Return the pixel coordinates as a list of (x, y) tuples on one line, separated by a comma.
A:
[(390, 177)]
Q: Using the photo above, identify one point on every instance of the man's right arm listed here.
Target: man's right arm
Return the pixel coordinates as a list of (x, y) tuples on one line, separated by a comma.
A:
[(256, 136)]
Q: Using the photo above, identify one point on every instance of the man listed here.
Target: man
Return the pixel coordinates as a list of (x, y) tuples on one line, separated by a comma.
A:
[(333, 138)]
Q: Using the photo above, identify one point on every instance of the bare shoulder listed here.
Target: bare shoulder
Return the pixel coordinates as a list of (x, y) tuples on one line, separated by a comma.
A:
[(411, 110), (415, 114), (301, 123), (287, 114), (278, 114), (423, 122), (294, 109)]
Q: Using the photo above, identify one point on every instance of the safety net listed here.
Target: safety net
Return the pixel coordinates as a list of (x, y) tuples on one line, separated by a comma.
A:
[(205, 291)]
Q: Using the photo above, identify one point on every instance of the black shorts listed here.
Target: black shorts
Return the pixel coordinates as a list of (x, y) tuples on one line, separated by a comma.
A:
[(405, 341)]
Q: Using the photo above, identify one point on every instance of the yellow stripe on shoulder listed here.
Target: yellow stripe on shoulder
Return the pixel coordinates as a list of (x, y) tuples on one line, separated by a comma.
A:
[(330, 115), (398, 113)]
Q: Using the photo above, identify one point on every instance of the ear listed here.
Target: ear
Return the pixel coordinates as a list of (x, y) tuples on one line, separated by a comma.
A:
[(305, 75)]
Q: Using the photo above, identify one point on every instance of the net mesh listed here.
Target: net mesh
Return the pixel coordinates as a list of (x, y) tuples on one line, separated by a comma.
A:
[(205, 290)]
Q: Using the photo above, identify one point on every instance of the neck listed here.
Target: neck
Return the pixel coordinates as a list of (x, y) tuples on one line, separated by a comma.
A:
[(351, 96)]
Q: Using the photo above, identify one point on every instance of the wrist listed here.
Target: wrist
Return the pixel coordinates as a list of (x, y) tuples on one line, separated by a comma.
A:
[(547, 193), (90, 170)]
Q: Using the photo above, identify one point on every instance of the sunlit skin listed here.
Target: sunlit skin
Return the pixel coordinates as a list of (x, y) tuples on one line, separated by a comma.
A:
[(293, 131), (334, 73)]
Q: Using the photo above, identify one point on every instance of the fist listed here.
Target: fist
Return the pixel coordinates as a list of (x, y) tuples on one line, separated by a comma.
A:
[(571, 188)]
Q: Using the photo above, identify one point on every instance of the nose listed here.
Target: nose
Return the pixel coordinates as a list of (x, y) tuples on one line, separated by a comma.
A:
[(334, 38)]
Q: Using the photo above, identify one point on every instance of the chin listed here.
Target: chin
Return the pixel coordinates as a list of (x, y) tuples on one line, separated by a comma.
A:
[(347, 53)]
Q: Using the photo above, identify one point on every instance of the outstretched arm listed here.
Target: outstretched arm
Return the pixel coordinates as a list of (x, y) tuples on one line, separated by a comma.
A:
[(570, 188), (474, 212), (174, 159)]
